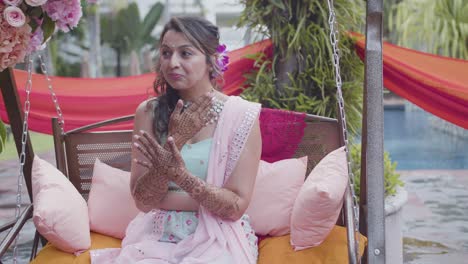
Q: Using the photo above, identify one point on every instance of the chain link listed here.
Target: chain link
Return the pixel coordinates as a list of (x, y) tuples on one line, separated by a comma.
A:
[(61, 121), (334, 40), (24, 138)]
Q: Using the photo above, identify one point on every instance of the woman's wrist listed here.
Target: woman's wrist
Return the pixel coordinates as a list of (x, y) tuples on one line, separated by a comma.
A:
[(150, 188), (219, 201)]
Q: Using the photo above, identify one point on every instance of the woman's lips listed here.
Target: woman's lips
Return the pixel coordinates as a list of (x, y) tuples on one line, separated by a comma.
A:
[(175, 76)]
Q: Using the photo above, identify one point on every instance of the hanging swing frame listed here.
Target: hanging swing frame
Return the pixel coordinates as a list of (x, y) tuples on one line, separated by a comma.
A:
[(371, 207)]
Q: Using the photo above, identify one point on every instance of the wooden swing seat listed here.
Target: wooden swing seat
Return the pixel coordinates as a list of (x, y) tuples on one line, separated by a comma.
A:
[(77, 150)]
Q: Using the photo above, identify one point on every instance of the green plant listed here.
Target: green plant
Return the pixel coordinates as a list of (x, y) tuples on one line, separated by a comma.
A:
[(41, 143), (3, 135), (391, 177), (125, 31), (439, 27), (301, 75)]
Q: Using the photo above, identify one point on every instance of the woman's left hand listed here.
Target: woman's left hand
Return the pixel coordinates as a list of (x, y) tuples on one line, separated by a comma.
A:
[(165, 162), (183, 125)]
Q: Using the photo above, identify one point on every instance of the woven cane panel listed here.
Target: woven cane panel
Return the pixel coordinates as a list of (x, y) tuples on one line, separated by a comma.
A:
[(113, 149), (86, 173), (88, 159), (119, 159), (100, 146), (86, 186), (320, 138)]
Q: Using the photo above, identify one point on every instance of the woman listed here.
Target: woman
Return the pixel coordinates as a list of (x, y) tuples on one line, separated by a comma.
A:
[(195, 157)]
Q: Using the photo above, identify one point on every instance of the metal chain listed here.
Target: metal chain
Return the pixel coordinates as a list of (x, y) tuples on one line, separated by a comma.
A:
[(27, 107), (24, 137), (61, 121), (334, 40)]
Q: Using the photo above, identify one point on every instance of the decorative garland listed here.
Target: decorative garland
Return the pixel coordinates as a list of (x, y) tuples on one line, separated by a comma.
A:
[(26, 26)]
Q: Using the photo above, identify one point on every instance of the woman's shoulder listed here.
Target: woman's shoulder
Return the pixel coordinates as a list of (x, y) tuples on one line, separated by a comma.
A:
[(239, 101), (244, 105), (147, 105)]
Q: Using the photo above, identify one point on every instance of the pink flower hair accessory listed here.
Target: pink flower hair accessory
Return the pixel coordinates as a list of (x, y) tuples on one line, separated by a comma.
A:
[(222, 59)]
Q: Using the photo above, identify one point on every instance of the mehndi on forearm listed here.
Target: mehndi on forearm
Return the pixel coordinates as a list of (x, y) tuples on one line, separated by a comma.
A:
[(219, 201), (150, 189)]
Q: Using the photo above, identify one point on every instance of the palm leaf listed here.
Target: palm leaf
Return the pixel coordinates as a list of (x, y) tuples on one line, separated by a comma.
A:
[(439, 27)]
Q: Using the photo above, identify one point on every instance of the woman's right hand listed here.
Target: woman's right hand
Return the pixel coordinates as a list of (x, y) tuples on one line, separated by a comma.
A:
[(163, 163), (183, 125)]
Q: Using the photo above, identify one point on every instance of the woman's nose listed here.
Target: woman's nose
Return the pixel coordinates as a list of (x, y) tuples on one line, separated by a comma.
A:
[(174, 61)]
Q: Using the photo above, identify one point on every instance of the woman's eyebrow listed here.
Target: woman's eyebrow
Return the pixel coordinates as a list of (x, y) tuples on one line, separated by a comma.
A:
[(179, 47)]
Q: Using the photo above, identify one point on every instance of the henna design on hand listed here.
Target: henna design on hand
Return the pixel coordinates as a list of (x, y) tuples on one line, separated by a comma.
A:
[(220, 201), (169, 165), (184, 124), (150, 188), (165, 163)]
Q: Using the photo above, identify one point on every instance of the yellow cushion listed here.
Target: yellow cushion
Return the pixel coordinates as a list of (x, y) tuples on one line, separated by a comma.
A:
[(277, 250), (273, 250), (51, 255)]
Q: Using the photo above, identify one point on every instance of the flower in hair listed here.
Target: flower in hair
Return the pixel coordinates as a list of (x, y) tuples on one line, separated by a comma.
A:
[(222, 59)]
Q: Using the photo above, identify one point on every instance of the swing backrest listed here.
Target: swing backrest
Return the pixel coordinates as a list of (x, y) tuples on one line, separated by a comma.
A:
[(77, 150)]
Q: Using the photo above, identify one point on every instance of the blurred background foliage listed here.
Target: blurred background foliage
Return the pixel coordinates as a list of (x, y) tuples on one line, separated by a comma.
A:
[(301, 74)]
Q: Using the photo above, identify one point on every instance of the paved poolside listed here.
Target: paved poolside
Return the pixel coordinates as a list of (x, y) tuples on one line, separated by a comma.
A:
[(435, 217)]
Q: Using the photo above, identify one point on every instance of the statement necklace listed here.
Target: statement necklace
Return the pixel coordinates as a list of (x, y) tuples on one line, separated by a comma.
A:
[(215, 110)]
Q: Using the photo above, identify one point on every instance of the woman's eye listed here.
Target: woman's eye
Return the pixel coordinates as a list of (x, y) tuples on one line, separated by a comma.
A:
[(165, 54), (186, 53)]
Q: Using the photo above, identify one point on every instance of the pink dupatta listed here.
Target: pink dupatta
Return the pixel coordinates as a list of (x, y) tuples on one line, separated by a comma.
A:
[(215, 237)]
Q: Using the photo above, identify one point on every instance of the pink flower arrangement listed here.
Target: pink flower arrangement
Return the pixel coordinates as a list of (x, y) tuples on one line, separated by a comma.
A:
[(14, 41), (66, 13), (27, 25)]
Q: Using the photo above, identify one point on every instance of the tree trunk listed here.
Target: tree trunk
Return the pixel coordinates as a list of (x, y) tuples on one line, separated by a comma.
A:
[(284, 65), (118, 69), (95, 58)]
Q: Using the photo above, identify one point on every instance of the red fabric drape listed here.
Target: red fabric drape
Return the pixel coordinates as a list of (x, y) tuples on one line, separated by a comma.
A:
[(437, 84), (85, 101)]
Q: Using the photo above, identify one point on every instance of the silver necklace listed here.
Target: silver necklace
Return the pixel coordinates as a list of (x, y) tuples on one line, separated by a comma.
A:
[(216, 108), (186, 105)]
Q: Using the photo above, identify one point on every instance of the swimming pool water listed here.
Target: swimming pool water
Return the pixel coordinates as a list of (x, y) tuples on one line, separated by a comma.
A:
[(414, 143)]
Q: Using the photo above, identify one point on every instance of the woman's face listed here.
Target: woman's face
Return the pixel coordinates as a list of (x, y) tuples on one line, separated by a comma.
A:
[(182, 64)]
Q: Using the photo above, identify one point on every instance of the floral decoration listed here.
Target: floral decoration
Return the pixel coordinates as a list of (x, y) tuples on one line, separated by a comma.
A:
[(27, 25), (222, 59)]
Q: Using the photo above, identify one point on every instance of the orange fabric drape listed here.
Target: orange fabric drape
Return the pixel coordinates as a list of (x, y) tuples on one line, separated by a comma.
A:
[(85, 101), (437, 84)]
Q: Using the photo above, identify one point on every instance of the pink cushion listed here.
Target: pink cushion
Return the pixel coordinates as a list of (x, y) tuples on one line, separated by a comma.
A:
[(60, 212), (319, 202), (110, 204), (276, 188)]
